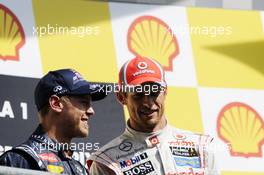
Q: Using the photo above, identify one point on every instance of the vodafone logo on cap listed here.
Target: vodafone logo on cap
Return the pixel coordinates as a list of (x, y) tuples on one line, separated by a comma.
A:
[(142, 65)]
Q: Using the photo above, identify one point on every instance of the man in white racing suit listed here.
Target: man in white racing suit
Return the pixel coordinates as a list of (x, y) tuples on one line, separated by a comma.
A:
[(150, 146)]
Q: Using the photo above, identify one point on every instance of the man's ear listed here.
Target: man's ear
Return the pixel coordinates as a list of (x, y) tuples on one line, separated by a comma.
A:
[(121, 98), (165, 90), (55, 103)]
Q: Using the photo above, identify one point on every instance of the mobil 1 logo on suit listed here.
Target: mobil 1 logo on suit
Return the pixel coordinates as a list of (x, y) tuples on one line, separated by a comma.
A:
[(137, 165)]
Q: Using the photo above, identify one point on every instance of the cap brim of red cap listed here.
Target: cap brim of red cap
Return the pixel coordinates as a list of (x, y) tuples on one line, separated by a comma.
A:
[(142, 80)]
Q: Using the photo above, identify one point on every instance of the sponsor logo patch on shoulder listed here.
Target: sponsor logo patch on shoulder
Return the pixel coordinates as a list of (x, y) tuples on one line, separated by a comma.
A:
[(125, 146), (141, 169), (50, 157), (154, 140), (134, 160), (55, 169), (193, 162), (180, 136), (183, 151)]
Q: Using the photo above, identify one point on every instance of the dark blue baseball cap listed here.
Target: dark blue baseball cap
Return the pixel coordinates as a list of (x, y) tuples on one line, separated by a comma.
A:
[(65, 82)]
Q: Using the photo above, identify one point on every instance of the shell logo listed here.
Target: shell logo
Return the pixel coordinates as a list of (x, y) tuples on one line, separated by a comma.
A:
[(12, 36), (150, 37), (242, 127)]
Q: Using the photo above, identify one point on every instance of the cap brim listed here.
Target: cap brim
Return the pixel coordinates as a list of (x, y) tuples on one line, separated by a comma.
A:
[(98, 92), (142, 80)]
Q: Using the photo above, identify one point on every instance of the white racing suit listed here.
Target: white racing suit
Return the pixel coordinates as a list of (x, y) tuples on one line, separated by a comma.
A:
[(170, 151)]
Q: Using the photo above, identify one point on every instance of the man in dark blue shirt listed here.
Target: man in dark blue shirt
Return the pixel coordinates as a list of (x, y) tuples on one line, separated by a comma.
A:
[(63, 99)]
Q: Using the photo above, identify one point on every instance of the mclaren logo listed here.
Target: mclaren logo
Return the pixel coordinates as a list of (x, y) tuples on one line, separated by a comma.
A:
[(242, 127), (12, 36), (150, 37)]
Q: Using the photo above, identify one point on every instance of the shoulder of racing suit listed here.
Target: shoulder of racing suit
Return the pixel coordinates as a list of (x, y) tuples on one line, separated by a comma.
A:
[(45, 154), (129, 144)]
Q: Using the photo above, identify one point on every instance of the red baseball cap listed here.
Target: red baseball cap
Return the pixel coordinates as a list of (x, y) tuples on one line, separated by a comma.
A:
[(140, 70)]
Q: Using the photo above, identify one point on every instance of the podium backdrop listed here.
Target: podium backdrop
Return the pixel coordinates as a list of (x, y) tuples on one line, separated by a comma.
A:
[(213, 58)]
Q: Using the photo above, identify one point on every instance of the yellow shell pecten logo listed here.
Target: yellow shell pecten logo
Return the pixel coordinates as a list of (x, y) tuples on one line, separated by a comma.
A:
[(242, 127), (12, 36), (151, 37)]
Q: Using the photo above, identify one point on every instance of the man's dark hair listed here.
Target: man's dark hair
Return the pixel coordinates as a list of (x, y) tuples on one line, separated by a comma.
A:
[(44, 110)]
